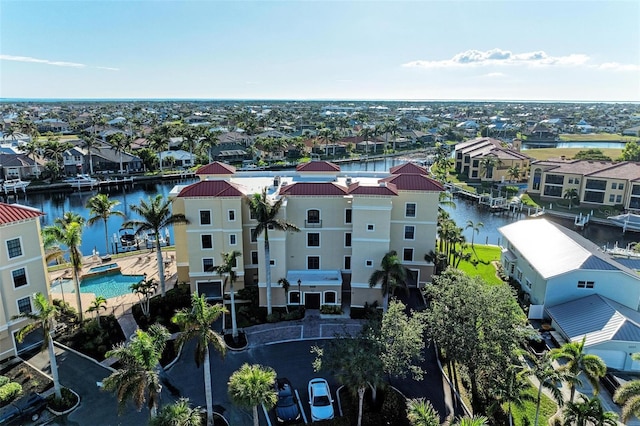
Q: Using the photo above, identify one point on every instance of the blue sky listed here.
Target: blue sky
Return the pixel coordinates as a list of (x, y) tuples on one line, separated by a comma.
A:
[(510, 50)]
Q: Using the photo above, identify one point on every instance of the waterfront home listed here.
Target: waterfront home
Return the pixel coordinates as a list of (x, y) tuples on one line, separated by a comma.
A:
[(470, 159), (180, 157), (22, 272), (18, 166), (348, 222), (582, 290), (596, 183)]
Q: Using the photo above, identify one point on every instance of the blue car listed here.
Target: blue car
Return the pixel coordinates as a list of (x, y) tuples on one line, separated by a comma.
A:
[(287, 409)]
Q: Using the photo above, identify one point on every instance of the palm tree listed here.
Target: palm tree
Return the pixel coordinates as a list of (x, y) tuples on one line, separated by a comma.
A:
[(514, 172), (512, 390), (420, 412), (138, 379), (179, 413), (285, 286), (144, 290), (96, 305), (588, 412), (486, 166), (101, 207), (69, 236), (91, 142), (475, 229), (196, 324), (391, 275), (226, 270), (252, 385), (577, 361), (67, 218), (119, 143), (42, 317), (155, 214), (570, 194), (266, 214), (472, 421), (549, 378), (629, 396)]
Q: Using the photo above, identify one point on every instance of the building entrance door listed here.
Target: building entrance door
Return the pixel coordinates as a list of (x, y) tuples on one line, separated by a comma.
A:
[(312, 300)]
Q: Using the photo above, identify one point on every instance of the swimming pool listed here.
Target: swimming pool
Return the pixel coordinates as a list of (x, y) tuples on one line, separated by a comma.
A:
[(108, 286)]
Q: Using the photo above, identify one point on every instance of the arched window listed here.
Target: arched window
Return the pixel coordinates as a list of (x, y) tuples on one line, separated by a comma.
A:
[(313, 218)]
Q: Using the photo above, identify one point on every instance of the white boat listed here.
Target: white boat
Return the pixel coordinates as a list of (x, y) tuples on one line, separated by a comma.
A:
[(14, 185), (627, 221), (82, 181)]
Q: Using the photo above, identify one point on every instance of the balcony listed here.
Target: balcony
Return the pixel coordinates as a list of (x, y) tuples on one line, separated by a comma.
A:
[(317, 223)]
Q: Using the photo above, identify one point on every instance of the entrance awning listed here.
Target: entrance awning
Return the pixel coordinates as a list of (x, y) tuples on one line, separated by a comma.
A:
[(315, 278)]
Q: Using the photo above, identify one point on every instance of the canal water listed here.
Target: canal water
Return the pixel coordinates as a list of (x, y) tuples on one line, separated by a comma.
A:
[(54, 204)]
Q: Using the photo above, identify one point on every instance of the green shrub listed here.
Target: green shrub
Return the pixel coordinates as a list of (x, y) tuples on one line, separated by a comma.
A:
[(274, 317), (331, 309), (295, 314), (4, 380), (9, 392)]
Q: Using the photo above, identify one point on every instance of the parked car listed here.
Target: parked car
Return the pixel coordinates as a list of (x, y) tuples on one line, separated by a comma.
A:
[(287, 409), (24, 409), (320, 400)]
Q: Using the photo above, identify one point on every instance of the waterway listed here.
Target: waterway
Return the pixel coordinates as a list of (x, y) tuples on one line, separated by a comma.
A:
[(579, 144), (54, 204)]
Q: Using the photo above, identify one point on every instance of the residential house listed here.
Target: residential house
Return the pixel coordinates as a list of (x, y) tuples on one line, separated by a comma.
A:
[(18, 166), (52, 125), (584, 291), (470, 159), (348, 223), (180, 157), (22, 272)]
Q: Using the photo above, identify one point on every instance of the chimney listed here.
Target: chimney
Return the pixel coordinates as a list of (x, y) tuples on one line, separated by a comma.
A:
[(348, 180)]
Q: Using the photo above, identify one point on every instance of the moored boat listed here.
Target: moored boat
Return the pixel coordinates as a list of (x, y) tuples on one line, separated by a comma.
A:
[(14, 185), (628, 221), (82, 181)]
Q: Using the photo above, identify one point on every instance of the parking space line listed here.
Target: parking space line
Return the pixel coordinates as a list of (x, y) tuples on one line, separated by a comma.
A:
[(304, 416)]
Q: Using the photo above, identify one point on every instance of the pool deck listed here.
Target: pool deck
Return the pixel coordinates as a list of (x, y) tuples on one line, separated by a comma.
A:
[(137, 263)]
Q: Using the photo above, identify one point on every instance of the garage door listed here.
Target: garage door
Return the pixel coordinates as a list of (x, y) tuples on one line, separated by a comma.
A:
[(613, 359)]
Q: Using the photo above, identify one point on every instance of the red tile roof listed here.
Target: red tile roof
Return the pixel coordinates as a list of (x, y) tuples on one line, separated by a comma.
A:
[(410, 168), (216, 168), (15, 213), (383, 189), (211, 188), (314, 188), (318, 166), (414, 182)]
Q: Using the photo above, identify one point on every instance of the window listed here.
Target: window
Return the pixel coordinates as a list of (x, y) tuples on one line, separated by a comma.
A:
[(519, 275), (252, 215), (211, 289), (313, 218), (347, 262), (254, 236), (330, 297), (527, 283), (232, 239), (294, 297), (207, 265), (594, 197), (348, 216), (512, 269), (24, 305), (409, 232), (612, 198), (621, 186), (618, 199), (586, 284), (14, 248), (410, 210), (272, 262), (313, 239), (371, 227), (368, 263), (206, 241), (407, 255), (205, 217), (614, 185), (554, 179), (313, 262), (254, 257), (232, 215), (347, 239), (598, 185), (19, 277)]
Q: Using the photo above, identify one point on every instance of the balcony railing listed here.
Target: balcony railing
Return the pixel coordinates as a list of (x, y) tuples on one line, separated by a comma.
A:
[(313, 223)]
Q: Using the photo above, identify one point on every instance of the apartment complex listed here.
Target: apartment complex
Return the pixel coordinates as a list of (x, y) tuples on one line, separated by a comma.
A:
[(22, 270), (471, 159), (347, 222), (596, 183)]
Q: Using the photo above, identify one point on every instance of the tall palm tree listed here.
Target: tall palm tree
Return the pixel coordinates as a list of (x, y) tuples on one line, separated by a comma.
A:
[(138, 379), (420, 412), (42, 317), (100, 302), (577, 361), (512, 390), (286, 285), (570, 194), (391, 275), (119, 142), (514, 172), (251, 386), (266, 214), (226, 270), (101, 207), (486, 166), (588, 411), (69, 236), (155, 214), (91, 142), (472, 421), (549, 378), (179, 413), (475, 229), (196, 324), (629, 396), (67, 218)]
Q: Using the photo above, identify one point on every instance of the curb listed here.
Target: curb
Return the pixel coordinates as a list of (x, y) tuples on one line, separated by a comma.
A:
[(61, 413)]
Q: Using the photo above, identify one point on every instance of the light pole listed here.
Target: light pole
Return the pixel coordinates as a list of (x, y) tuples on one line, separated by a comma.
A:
[(299, 293)]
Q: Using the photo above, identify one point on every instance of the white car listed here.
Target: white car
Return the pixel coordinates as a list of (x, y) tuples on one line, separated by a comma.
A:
[(320, 400)]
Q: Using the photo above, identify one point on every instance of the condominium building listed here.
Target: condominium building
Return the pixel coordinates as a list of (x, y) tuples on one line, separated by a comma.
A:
[(347, 221), (486, 159), (22, 270)]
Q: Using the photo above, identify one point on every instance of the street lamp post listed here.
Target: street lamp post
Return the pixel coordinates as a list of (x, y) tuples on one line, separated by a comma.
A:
[(299, 293)]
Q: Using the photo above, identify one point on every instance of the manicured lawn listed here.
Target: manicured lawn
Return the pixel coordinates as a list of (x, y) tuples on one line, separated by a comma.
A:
[(610, 137), (528, 411), (481, 263), (547, 153)]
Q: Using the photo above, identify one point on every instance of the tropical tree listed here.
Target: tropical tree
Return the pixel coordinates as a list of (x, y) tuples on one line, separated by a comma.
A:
[(138, 378), (101, 207), (69, 236), (549, 378), (226, 270), (285, 286), (475, 229), (119, 143), (391, 275), (420, 412), (196, 324), (42, 317), (472, 421), (155, 214), (514, 172), (251, 386), (629, 396), (266, 214), (144, 289), (97, 304), (91, 142), (588, 411), (67, 218), (512, 389), (572, 195), (577, 361), (180, 413), (487, 164)]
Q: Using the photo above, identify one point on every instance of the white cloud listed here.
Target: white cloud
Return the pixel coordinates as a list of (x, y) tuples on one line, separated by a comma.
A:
[(495, 74), (108, 68), (48, 62), (499, 57), (616, 66)]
